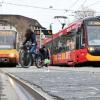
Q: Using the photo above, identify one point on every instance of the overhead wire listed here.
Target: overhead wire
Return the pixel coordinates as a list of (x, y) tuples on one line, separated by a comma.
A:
[(33, 6), (93, 3), (73, 5), (44, 8), (82, 4)]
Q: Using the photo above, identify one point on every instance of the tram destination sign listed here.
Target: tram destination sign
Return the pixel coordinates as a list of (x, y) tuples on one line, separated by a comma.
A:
[(97, 23)]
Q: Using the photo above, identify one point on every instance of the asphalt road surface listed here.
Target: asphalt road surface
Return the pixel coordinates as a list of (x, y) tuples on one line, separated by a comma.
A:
[(66, 83)]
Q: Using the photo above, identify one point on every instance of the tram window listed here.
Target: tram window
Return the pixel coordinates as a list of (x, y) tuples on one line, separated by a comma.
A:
[(70, 43), (55, 46), (70, 40), (60, 46), (64, 43)]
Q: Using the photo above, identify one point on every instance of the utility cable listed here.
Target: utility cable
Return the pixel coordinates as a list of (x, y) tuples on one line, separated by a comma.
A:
[(33, 6), (73, 5), (93, 3), (42, 7)]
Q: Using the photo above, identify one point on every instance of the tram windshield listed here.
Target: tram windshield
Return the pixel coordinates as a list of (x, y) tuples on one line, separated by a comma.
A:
[(7, 39), (93, 35)]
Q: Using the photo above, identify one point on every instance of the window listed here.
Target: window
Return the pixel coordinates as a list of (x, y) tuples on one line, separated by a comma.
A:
[(63, 43)]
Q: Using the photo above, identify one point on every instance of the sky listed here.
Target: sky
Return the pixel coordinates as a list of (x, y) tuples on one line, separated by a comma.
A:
[(44, 11)]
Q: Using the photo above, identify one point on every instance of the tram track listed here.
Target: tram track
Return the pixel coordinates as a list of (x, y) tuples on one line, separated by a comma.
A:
[(23, 91)]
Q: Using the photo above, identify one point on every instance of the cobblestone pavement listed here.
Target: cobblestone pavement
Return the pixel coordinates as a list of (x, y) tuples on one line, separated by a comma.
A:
[(67, 83)]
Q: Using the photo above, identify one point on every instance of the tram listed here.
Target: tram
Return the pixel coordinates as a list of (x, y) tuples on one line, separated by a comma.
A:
[(9, 46), (78, 44)]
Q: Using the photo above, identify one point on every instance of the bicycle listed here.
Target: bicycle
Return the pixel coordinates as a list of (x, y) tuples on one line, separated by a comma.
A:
[(27, 59)]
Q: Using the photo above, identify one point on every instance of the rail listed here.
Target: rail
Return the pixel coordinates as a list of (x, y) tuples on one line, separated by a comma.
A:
[(26, 91)]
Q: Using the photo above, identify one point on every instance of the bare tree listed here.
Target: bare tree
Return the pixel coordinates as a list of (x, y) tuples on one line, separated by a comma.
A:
[(84, 12)]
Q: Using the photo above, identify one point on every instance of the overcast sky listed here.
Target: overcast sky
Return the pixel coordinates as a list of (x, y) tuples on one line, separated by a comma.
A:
[(38, 9)]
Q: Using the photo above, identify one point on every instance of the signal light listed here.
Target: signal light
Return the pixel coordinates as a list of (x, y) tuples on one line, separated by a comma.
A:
[(45, 32)]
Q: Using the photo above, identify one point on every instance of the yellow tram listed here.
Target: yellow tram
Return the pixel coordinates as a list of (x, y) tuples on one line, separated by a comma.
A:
[(9, 45)]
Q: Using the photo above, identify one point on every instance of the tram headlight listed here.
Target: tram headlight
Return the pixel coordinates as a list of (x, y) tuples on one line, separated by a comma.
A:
[(91, 49), (12, 55)]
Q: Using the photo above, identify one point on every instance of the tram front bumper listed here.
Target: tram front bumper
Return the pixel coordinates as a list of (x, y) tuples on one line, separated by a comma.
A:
[(92, 57)]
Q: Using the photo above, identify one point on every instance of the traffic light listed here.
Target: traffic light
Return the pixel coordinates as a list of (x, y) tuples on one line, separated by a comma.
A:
[(45, 32)]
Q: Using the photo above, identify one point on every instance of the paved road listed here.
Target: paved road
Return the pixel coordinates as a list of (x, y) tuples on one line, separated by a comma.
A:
[(67, 83), (7, 90)]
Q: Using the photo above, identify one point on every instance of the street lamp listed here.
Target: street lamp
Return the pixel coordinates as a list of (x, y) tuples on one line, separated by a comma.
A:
[(51, 26)]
